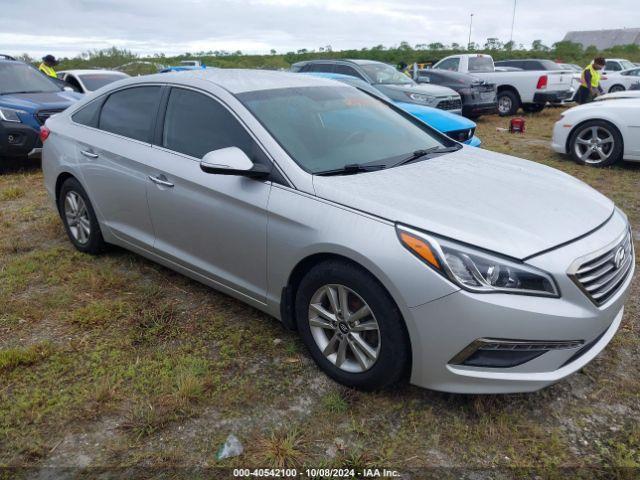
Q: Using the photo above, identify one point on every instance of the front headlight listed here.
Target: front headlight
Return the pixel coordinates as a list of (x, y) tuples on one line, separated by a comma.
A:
[(420, 97), (10, 115), (474, 269)]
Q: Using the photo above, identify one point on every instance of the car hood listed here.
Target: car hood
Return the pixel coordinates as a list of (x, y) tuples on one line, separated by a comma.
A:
[(435, 90), (439, 119), (40, 101), (496, 202)]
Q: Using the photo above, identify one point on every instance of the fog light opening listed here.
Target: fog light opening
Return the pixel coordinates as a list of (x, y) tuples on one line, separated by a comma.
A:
[(498, 353)]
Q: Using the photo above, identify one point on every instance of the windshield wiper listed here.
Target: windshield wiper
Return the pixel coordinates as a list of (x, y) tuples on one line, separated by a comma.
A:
[(427, 152), (351, 169)]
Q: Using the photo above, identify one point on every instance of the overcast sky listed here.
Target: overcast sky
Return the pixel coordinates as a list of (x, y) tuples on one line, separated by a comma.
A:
[(68, 27)]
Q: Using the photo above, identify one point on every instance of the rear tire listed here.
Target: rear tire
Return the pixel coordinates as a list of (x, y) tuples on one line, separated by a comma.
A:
[(508, 103), (385, 358), (617, 88), (596, 143), (79, 218)]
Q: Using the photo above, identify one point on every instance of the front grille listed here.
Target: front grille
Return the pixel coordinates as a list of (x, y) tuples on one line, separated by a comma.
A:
[(42, 115), (602, 273), (461, 135), (453, 104)]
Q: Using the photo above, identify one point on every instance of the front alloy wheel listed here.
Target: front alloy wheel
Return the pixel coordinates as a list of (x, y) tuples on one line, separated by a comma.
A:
[(596, 143), (344, 328), (352, 327)]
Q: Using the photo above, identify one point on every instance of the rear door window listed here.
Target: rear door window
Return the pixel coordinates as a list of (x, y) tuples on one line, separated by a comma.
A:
[(131, 112), (319, 67), (451, 64), (480, 64), (612, 66), (347, 70)]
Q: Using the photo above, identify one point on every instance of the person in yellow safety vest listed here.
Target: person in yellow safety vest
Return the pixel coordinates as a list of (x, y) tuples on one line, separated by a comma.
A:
[(46, 67), (590, 82)]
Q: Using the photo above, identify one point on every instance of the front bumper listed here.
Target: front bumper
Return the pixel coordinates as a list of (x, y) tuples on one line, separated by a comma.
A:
[(443, 328), (477, 109), (552, 97), (561, 131), (18, 140)]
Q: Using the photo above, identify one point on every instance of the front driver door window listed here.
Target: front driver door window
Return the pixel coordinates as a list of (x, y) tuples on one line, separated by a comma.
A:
[(215, 225)]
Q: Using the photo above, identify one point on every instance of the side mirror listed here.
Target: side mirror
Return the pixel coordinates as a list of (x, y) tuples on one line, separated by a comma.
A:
[(68, 89), (232, 161)]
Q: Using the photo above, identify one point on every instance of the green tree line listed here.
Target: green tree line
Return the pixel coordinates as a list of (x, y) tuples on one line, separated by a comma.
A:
[(565, 52)]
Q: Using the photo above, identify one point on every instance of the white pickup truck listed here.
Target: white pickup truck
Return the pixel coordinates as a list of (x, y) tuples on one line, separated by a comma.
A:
[(531, 90)]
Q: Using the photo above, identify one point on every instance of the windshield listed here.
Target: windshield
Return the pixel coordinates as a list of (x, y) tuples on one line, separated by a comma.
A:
[(626, 64), (480, 64), (21, 78), (94, 81), (327, 128), (381, 73)]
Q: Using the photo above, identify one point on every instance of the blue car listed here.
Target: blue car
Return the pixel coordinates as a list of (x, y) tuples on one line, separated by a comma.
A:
[(27, 99), (454, 126)]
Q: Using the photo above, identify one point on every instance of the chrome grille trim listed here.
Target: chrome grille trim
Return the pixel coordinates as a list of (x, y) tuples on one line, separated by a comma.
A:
[(597, 274)]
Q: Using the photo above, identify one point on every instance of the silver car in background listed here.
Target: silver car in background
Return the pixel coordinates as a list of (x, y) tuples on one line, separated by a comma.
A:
[(394, 251)]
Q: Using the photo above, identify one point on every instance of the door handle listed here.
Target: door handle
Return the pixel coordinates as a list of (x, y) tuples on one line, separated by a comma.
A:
[(161, 180), (89, 154)]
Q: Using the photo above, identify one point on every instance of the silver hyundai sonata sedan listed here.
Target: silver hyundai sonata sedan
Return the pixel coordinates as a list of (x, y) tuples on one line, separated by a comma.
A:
[(394, 251)]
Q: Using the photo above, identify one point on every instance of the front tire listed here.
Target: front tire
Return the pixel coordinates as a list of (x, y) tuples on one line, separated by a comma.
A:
[(351, 326), (617, 88), (79, 218), (596, 143), (508, 103)]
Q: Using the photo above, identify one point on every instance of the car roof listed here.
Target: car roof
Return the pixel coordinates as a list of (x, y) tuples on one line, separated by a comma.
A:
[(89, 70), (357, 61), (241, 80)]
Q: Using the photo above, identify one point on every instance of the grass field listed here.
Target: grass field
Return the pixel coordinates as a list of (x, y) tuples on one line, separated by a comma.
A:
[(113, 361)]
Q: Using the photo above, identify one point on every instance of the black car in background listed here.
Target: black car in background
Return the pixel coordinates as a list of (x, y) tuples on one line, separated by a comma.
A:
[(531, 64), (478, 97)]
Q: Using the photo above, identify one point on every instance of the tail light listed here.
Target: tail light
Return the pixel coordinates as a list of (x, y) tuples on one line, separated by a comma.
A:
[(44, 133), (542, 82)]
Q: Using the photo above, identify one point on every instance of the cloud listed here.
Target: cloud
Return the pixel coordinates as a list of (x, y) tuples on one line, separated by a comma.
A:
[(147, 26)]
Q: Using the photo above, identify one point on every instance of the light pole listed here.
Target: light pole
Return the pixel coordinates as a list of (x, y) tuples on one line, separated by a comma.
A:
[(513, 20), (470, 25)]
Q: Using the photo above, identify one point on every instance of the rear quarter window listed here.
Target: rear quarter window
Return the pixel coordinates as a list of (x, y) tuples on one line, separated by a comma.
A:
[(88, 115)]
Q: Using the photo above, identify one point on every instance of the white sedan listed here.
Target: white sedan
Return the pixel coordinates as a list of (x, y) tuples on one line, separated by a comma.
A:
[(85, 81), (600, 133), (620, 81)]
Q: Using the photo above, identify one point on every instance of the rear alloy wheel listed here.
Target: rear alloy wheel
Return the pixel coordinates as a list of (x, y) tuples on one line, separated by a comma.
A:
[(596, 143), (351, 326), (79, 219), (508, 103)]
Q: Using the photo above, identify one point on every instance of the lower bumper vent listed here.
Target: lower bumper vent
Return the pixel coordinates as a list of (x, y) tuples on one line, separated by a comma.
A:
[(497, 353)]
